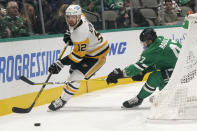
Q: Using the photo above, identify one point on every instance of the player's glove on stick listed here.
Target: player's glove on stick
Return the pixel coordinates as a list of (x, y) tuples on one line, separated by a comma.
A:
[(56, 67), (67, 39), (114, 76)]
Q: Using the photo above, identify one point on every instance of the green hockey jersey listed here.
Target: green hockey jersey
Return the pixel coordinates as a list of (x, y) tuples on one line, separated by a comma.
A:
[(160, 55)]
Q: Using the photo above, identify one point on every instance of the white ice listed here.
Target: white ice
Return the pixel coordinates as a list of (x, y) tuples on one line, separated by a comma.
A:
[(96, 111)]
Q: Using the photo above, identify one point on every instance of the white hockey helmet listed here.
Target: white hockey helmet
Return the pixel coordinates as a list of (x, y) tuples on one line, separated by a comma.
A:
[(73, 10)]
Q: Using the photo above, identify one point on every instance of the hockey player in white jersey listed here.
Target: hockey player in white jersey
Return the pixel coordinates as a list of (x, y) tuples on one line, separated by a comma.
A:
[(88, 55)]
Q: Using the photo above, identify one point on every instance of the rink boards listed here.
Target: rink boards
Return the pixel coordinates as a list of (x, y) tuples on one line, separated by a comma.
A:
[(32, 56)]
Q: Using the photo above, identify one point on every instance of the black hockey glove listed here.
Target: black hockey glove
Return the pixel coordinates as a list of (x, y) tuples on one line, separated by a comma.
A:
[(114, 76), (56, 67), (67, 39)]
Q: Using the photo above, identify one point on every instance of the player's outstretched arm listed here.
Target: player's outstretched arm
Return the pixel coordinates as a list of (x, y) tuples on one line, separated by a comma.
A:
[(118, 73)]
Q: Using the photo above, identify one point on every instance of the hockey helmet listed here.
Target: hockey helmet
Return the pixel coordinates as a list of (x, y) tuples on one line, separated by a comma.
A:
[(148, 34), (73, 10)]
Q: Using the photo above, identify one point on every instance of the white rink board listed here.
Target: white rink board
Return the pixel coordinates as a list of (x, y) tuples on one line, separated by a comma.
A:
[(32, 58)]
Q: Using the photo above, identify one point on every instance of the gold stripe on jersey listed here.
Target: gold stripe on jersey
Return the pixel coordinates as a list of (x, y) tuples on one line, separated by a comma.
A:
[(98, 49), (101, 54), (70, 56), (79, 50), (97, 66), (74, 57)]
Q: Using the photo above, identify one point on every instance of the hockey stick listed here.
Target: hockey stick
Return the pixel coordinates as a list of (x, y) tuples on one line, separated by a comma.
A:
[(27, 110), (26, 80), (23, 78)]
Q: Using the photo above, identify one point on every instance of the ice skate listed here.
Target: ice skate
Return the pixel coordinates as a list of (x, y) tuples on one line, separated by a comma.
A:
[(56, 104), (134, 102)]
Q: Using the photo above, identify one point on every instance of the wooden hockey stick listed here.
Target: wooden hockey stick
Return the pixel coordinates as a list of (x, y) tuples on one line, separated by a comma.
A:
[(26, 80), (27, 110)]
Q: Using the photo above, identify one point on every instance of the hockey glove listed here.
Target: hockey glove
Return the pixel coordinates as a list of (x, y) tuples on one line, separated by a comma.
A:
[(56, 67), (114, 76), (67, 39)]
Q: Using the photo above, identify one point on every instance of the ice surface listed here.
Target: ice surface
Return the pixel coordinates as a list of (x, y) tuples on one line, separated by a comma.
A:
[(96, 111)]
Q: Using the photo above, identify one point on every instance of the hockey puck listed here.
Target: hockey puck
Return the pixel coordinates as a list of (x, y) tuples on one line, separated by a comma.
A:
[(37, 124)]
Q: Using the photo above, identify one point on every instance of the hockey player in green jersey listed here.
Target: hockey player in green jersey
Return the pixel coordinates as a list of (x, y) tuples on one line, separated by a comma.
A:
[(159, 57)]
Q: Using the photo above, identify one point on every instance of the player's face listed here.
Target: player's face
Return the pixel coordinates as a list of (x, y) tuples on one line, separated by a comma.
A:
[(71, 19), (146, 43)]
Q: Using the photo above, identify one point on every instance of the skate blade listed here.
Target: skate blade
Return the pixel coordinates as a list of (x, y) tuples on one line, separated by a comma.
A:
[(132, 108), (48, 110)]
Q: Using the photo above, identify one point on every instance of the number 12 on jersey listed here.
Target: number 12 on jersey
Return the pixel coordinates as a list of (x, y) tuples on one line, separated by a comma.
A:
[(81, 47)]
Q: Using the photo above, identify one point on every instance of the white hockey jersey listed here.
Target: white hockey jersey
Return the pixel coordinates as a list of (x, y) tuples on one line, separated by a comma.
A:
[(88, 43)]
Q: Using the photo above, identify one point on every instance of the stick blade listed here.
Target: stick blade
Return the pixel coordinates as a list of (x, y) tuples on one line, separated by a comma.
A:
[(23, 78), (21, 110)]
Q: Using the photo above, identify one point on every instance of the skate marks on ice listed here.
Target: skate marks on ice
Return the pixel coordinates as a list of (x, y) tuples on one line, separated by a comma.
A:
[(104, 100), (98, 109)]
